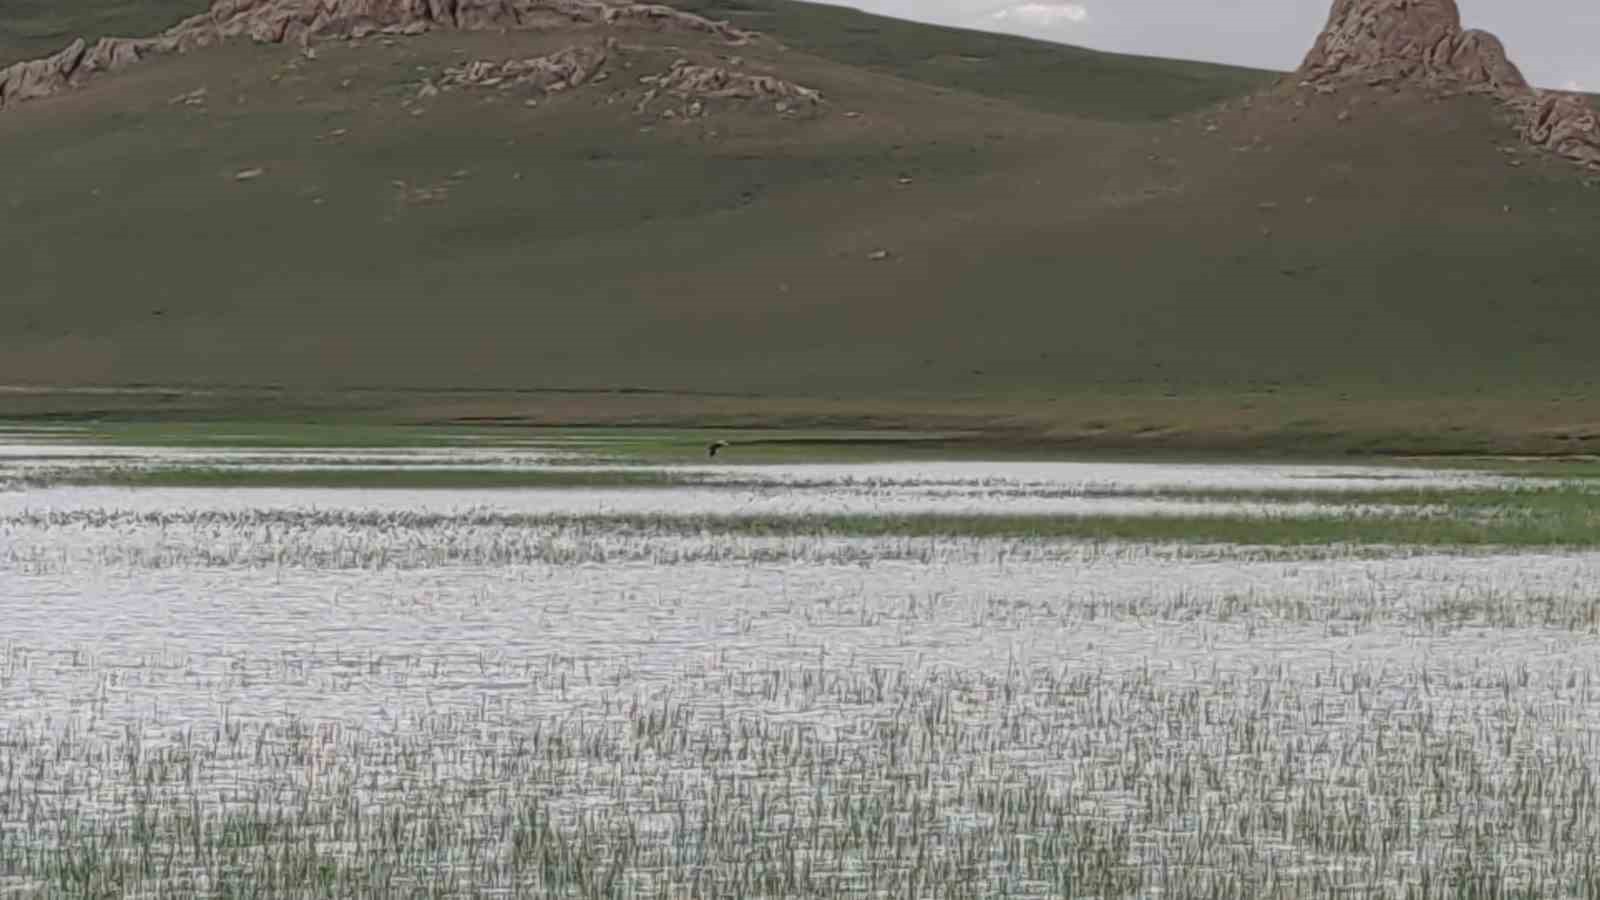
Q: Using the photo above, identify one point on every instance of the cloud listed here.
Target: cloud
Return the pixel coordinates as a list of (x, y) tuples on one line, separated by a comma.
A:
[(1043, 15), (1574, 86)]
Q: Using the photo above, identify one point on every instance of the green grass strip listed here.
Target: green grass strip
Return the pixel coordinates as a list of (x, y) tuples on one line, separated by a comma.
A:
[(357, 477), (1511, 529)]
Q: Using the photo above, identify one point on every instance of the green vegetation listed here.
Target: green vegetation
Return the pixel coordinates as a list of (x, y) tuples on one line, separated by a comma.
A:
[(755, 803), (1069, 264), (1105, 772), (415, 700), (1508, 520), (33, 28), (1571, 522), (981, 247), (635, 445), (1570, 469), (1542, 504), (1046, 76), (364, 476)]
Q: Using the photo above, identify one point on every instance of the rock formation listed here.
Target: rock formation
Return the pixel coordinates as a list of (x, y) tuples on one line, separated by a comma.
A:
[(303, 21), (1565, 124), (1372, 42), (556, 72), (1407, 39), (693, 85)]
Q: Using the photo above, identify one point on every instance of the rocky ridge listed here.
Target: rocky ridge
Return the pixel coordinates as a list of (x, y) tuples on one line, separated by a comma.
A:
[(305, 21), (694, 86), (691, 82), (552, 73), (1380, 42), (1365, 43)]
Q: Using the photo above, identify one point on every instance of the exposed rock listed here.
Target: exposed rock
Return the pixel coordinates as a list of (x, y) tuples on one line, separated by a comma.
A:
[(303, 21), (1567, 125), (687, 80), (1406, 39), (110, 54), (277, 21), (558, 71), (693, 86), (1386, 42), (695, 83), (41, 77)]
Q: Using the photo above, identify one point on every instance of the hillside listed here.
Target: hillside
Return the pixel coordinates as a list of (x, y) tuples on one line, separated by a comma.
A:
[(968, 230), (34, 28)]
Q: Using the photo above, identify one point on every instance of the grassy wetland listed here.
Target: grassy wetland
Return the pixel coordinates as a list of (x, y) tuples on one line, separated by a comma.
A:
[(583, 664), (491, 658)]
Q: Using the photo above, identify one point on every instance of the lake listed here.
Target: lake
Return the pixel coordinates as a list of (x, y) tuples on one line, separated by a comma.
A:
[(924, 678)]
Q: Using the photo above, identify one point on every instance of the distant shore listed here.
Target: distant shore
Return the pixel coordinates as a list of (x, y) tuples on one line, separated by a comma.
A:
[(1375, 421)]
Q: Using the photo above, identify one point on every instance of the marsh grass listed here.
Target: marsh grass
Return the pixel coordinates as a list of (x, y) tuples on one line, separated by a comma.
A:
[(408, 703), (400, 475), (1499, 528), (1582, 468), (826, 780), (1515, 520), (63, 544)]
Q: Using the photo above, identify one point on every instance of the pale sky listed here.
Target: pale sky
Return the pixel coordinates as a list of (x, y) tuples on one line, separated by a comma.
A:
[(1555, 42)]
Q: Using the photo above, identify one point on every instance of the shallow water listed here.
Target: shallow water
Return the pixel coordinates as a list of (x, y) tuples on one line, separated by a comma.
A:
[(901, 488), (1022, 716), (1064, 476), (744, 502)]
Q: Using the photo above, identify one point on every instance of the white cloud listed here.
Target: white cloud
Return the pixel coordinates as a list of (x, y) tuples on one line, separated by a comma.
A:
[(1573, 86), (1043, 15)]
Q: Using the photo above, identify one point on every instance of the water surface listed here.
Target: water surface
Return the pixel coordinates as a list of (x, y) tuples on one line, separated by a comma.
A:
[(432, 683)]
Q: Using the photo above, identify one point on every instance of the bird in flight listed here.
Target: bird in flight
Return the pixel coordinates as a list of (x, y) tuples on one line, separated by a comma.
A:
[(711, 449)]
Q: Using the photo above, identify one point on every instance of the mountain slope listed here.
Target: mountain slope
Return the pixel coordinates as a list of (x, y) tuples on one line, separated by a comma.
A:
[(1299, 269), (1052, 77), (34, 28)]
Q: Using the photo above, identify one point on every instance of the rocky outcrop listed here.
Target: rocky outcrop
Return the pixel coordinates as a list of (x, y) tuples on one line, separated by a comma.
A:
[(693, 86), (284, 21), (696, 84), (687, 80), (1566, 125), (556, 72), (304, 21), (1407, 39), (1373, 42), (41, 77)]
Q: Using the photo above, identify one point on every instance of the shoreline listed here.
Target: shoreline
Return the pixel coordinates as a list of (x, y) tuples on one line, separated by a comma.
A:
[(1508, 424)]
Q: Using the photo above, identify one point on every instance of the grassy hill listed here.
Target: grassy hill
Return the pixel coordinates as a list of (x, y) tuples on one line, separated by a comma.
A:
[(1082, 247), (34, 28), (1046, 76)]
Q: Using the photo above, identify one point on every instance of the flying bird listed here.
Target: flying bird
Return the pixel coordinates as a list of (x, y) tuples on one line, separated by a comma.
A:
[(711, 449)]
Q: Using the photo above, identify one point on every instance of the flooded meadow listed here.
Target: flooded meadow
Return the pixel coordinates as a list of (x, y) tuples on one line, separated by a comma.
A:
[(555, 668)]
